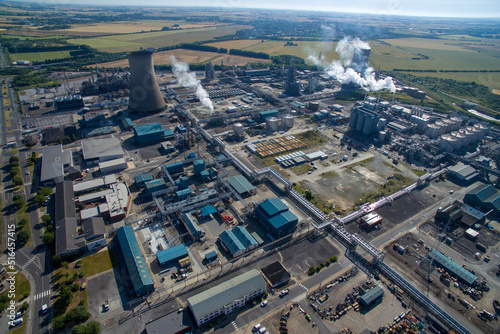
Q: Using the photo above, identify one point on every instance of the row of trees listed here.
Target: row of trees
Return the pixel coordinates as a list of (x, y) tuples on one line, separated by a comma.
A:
[(15, 171), (252, 54)]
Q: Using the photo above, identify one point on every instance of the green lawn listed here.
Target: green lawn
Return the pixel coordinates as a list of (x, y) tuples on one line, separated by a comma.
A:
[(310, 138), (96, 263), (40, 56)]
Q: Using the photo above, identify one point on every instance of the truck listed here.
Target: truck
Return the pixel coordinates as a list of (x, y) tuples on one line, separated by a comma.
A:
[(105, 306)]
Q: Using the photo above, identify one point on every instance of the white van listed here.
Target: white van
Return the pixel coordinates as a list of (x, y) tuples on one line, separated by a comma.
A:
[(44, 308), (262, 330), (256, 327)]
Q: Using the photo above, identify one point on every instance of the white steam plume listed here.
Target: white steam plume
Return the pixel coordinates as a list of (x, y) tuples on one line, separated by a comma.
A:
[(188, 79), (340, 70)]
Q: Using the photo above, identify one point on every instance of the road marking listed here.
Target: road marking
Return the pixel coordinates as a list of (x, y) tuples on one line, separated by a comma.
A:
[(300, 298), (234, 325), (29, 262), (42, 294), (303, 287)]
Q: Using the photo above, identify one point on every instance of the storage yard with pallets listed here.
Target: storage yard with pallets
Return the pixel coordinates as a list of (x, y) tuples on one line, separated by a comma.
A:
[(278, 145)]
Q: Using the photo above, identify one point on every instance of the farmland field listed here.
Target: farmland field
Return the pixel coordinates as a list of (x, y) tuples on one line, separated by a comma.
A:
[(190, 57), (274, 48), (131, 42), (39, 56), (133, 26), (491, 80)]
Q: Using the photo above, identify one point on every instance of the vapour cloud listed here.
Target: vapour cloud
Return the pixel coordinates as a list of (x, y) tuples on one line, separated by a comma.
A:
[(341, 70), (188, 79)]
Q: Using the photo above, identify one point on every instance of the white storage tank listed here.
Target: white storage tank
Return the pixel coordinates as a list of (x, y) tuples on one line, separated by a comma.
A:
[(288, 121), (272, 123), (457, 121), (467, 136), (446, 143), (432, 131), (483, 130), (239, 129), (382, 136), (475, 132), (459, 137), (441, 127)]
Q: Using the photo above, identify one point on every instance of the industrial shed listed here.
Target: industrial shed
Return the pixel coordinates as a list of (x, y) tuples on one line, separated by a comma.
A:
[(484, 197), (240, 184), (227, 296), (461, 273), (371, 296), (276, 217), (207, 211), (237, 241), (100, 150), (127, 123), (172, 254), (192, 225), (112, 166), (173, 323), (462, 173), (140, 180), (276, 274), (136, 264), (150, 133)]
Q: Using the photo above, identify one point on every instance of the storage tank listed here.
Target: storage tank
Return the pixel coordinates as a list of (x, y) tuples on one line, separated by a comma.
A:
[(354, 118), (145, 94), (288, 121), (440, 127), (448, 125), (360, 122), (475, 133), (459, 137), (272, 123), (239, 130), (446, 143), (382, 136), (369, 124), (483, 130), (381, 123), (314, 106), (432, 131), (325, 113), (467, 136), (457, 121)]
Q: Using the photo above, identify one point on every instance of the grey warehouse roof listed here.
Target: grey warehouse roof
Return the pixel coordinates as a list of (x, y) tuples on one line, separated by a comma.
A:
[(101, 148), (240, 183), (53, 161), (65, 219), (215, 298)]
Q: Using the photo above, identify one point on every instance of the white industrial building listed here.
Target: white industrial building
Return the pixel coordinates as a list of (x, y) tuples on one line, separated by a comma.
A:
[(227, 296), (100, 150)]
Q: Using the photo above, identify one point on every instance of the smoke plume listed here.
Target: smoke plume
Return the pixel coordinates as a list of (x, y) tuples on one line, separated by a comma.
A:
[(341, 70), (188, 79)]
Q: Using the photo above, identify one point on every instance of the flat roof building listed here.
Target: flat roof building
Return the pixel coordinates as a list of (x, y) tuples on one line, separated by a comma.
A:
[(172, 254), (276, 274), (227, 296), (276, 217), (195, 230), (102, 149), (141, 179), (152, 132), (173, 323), (111, 166), (55, 161), (134, 259), (65, 221), (240, 184)]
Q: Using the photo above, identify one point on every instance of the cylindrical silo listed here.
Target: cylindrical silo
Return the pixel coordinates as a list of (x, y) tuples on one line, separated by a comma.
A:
[(457, 121), (483, 130), (445, 143), (382, 136), (361, 121), (145, 94), (273, 123), (369, 124), (354, 118), (288, 121), (475, 131), (467, 136), (459, 137), (239, 129)]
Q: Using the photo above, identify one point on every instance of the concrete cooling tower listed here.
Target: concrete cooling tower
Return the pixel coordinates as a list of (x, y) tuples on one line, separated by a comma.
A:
[(145, 95)]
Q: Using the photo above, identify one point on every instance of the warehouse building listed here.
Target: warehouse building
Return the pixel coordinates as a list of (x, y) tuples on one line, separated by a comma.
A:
[(484, 197), (237, 241), (127, 123), (453, 268), (372, 296), (151, 133), (112, 166), (195, 230), (55, 162), (463, 174), (65, 221), (94, 184), (276, 274), (240, 184), (99, 150), (136, 264), (227, 296), (276, 217), (171, 255)]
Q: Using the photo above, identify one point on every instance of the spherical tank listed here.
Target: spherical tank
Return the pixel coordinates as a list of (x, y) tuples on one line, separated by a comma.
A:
[(273, 123), (239, 129), (145, 94), (288, 121)]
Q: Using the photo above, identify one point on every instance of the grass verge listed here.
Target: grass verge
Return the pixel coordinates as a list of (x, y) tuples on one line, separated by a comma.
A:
[(98, 262)]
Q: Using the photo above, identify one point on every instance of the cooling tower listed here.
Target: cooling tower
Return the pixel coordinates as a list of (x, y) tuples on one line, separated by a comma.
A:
[(145, 95)]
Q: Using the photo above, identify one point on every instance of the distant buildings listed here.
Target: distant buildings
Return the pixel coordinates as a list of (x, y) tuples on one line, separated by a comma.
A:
[(292, 86)]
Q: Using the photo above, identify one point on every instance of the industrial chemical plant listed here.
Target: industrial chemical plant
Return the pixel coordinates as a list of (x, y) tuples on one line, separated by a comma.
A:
[(220, 188)]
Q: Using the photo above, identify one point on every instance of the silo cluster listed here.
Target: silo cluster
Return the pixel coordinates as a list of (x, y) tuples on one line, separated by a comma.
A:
[(363, 120)]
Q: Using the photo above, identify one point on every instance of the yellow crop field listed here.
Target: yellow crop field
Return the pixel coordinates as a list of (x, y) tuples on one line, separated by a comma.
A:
[(236, 44), (134, 26), (427, 43)]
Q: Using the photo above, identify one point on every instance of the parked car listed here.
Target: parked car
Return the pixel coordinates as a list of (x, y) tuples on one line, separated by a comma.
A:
[(263, 304), (16, 322), (285, 292)]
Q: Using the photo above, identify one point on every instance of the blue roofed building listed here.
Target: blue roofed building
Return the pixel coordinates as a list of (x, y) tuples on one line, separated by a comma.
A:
[(371, 296), (173, 168), (207, 211), (127, 123), (155, 185), (276, 217), (141, 179), (268, 113), (484, 197), (137, 267), (237, 241), (171, 255), (240, 184), (461, 273), (198, 166), (195, 230), (182, 183), (150, 133)]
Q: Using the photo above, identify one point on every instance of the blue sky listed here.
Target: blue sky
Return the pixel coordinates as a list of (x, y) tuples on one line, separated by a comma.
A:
[(437, 8)]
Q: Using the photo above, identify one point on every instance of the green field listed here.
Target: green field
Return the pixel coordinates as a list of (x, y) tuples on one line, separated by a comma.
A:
[(132, 42), (276, 48), (491, 80), (40, 56)]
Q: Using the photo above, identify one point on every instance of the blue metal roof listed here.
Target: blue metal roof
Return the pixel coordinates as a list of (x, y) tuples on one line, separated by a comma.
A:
[(237, 239), (240, 184), (146, 129), (273, 206), (136, 264), (143, 178), (172, 254), (244, 237), (282, 219), (192, 225), (168, 132), (127, 122), (155, 183), (208, 210), (211, 256), (452, 267)]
